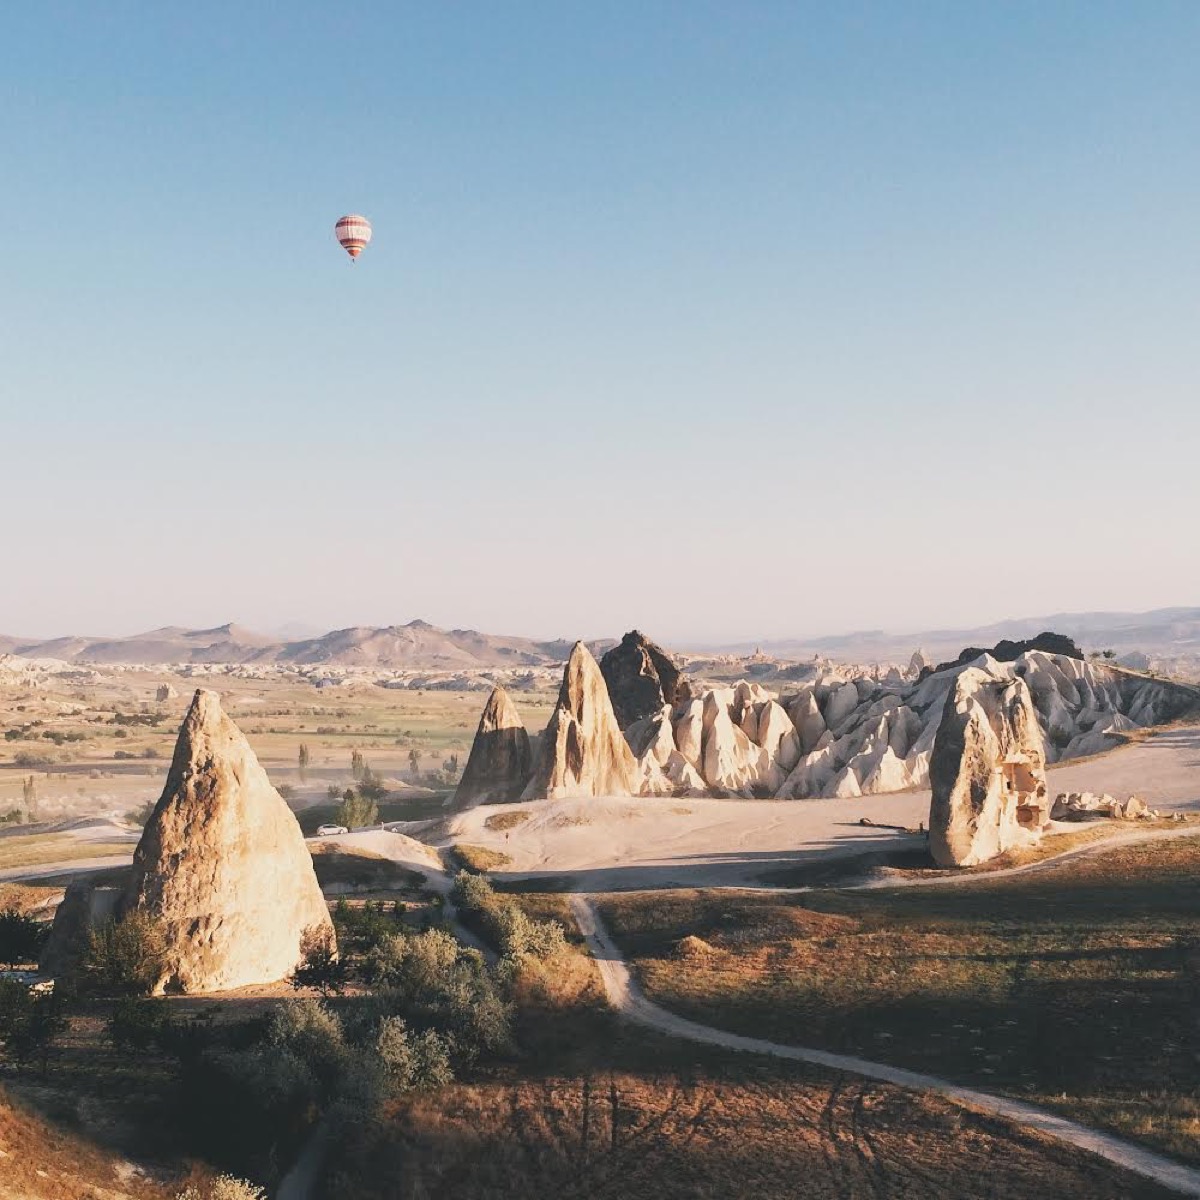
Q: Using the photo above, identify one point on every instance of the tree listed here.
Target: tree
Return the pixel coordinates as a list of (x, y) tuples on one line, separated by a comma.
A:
[(29, 795), (302, 763), (371, 786), (414, 762), (21, 937), (127, 957), (450, 767), (357, 764), (1110, 654), (320, 966), (356, 811)]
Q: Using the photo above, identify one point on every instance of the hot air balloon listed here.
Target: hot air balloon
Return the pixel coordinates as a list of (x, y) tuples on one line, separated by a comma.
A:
[(354, 232)]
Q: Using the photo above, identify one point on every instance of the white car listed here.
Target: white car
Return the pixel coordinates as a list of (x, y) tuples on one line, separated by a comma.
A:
[(331, 830)]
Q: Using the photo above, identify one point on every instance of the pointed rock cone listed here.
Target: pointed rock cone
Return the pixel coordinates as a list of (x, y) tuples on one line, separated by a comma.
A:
[(223, 866), (641, 678), (500, 760), (583, 752)]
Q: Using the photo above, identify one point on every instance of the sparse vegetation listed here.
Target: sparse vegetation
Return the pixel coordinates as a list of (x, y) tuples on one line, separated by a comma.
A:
[(478, 859), (500, 822), (1075, 988)]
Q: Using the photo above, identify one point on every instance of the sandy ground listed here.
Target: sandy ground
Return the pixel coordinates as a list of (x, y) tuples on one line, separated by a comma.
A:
[(610, 843)]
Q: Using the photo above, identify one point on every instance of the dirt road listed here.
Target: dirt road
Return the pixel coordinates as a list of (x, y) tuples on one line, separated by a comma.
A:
[(629, 1000)]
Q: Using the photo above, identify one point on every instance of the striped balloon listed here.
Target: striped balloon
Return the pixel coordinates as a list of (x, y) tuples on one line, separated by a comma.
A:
[(354, 232)]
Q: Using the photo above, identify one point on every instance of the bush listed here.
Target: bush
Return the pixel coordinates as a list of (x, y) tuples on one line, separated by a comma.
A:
[(138, 1024), (29, 1025), (21, 937), (125, 958), (224, 1187), (509, 928), (141, 816), (418, 1062), (320, 966)]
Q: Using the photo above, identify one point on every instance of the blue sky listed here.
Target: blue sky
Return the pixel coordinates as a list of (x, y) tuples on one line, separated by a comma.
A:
[(722, 320)]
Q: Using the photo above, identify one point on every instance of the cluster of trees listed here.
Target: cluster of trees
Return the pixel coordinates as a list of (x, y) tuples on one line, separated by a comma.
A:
[(503, 924)]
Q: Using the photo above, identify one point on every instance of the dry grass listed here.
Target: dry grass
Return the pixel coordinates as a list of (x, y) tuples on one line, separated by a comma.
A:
[(478, 858), (361, 869), (39, 1161), (26, 898), (506, 820), (39, 849), (1076, 987), (595, 1109)]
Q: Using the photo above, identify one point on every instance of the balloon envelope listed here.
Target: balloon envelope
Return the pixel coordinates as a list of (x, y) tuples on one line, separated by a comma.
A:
[(354, 232)]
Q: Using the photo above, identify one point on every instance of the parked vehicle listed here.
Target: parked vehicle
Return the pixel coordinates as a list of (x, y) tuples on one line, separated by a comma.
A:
[(331, 830)]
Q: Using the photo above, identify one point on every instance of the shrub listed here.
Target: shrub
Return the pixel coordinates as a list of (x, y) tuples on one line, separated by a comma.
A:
[(21, 937), (320, 966), (224, 1187), (412, 1061), (127, 957), (138, 1024)]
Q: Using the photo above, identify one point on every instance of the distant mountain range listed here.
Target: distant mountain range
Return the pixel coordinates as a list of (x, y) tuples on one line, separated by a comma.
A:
[(417, 646), (1161, 633), (1164, 633)]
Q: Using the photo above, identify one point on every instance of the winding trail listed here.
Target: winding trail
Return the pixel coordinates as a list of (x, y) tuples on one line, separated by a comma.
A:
[(631, 1002)]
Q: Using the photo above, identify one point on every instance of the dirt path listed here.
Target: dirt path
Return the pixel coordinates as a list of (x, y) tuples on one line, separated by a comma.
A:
[(629, 1000)]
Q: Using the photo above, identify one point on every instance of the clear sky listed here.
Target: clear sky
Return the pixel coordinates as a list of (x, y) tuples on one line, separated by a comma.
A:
[(721, 320)]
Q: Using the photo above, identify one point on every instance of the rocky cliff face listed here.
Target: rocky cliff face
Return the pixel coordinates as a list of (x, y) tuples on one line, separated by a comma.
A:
[(641, 678), (988, 770), (583, 752), (223, 865), (499, 764)]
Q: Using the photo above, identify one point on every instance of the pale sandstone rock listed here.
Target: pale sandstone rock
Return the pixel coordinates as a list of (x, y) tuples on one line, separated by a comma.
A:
[(806, 717), (500, 762), (841, 705), (583, 752), (776, 734), (689, 730), (684, 778), (652, 735), (222, 864), (987, 773)]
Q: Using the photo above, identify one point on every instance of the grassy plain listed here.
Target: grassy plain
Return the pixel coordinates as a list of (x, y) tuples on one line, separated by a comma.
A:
[(1076, 988), (102, 745)]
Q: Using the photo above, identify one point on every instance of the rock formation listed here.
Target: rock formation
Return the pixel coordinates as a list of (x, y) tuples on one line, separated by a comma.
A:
[(84, 906), (223, 866), (641, 678), (583, 752), (499, 764), (850, 731), (988, 771)]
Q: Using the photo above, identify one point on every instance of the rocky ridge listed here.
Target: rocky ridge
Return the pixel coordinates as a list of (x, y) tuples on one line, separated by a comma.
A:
[(850, 733)]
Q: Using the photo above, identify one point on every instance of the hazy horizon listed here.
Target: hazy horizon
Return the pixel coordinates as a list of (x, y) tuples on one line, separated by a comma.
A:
[(728, 323), (296, 631)]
